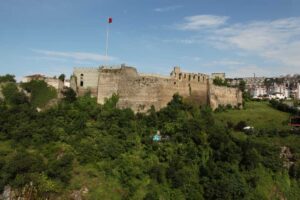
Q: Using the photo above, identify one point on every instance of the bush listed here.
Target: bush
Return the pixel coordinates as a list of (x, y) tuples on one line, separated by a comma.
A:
[(69, 95), (240, 126), (279, 105), (7, 78), (41, 93), (12, 95)]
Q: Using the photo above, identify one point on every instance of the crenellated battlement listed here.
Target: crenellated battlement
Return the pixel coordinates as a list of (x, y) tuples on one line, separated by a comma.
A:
[(190, 77)]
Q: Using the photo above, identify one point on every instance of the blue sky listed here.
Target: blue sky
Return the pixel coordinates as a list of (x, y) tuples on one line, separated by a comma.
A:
[(238, 37)]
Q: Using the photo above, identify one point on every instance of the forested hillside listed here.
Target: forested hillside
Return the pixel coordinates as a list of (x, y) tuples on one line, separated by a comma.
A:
[(79, 149)]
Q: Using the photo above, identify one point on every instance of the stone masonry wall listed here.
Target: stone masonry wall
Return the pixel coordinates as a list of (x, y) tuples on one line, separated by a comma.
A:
[(220, 95), (86, 79), (140, 91)]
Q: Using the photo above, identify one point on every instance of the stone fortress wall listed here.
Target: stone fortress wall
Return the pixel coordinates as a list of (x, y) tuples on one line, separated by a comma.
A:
[(140, 91), (220, 95)]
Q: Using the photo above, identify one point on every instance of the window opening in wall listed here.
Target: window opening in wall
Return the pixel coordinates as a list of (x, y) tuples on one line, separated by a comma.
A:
[(190, 89), (189, 77), (174, 83), (81, 80), (198, 78)]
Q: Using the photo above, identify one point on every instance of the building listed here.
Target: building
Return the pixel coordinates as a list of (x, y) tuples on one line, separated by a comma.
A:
[(258, 91), (281, 89), (140, 91)]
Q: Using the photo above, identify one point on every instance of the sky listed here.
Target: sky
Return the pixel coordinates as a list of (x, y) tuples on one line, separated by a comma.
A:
[(238, 37)]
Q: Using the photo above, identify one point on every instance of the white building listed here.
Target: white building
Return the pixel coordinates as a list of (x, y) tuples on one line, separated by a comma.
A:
[(258, 91), (280, 89)]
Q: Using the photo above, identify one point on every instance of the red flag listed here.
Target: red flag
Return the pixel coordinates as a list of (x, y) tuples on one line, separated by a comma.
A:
[(110, 20)]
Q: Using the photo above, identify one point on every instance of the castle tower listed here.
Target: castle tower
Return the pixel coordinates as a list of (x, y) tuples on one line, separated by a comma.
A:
[(176, 71)]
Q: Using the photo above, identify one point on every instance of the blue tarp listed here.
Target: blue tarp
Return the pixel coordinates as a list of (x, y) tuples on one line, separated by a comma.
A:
[(156, 138)]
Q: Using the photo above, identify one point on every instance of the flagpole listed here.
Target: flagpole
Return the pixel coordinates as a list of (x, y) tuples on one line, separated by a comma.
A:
[(107, 33)]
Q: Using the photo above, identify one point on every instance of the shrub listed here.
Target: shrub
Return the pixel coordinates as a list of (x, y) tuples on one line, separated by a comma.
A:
[(41, 93), (240, 126)]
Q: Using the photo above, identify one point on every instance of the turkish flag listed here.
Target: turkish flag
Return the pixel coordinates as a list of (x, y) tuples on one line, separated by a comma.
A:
[(110, 20)]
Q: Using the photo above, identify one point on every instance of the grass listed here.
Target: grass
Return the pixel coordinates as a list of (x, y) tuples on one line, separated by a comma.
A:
[(257, 114), (5, 147), (262, 116)]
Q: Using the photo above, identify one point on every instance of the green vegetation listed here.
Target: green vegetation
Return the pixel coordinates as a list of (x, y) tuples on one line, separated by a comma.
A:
[(220, 82), (109, 152), (69, 95), (12, 95), (7, 78), (284, 107), (260, 115), (40, 92), (62, 77)]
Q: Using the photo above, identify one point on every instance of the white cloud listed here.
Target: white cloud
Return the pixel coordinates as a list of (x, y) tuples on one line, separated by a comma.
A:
[(277, 40), (77, 56), (168, 8), (199, 22), (227, 63), (274, 41), (182, 41)]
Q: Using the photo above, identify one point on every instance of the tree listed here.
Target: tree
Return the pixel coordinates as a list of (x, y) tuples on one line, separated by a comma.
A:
[(9, 90), (12, 95), (220, 82), (62, 77), (20, 167), (242, 85), (69, 95), (7, 78), (40, 92), (61, 168)]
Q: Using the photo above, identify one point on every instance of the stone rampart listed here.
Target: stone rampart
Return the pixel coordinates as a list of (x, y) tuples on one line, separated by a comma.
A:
[(221, 95), (140, 91)]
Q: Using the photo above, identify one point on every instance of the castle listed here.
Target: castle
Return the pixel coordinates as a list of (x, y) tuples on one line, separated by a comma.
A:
[(140, 91)]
